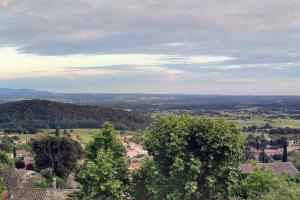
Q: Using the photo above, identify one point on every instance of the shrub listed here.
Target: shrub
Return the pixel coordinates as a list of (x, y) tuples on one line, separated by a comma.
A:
[(20, 164)]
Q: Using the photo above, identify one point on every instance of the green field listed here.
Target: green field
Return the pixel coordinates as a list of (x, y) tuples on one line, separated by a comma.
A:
[(85, 135), (249, 122), (81, 135), (287, 123), (260, 121)]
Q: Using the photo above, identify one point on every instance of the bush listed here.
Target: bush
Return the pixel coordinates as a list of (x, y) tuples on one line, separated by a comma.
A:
[(45, 183), (277, 157), (48, 173), (5, 147), (20, 164), (296, 159), (61, 183), (29, 166)]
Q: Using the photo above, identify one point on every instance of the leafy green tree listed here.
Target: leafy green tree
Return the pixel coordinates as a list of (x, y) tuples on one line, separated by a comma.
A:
[(193, 158), (249, 154), (4, 158), (296, 159), (7, 143), (59, 153), (263, 184), (264, 158), (5, 147), (105, 173)]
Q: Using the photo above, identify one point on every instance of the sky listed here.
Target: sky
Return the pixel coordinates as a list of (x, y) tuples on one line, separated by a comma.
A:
[(249, 47)]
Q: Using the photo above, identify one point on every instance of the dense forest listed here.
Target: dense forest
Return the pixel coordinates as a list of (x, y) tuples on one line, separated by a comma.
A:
[(29, 115)]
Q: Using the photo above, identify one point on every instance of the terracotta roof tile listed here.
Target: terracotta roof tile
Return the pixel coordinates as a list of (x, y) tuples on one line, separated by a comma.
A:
[(276, 168), (38, 194)]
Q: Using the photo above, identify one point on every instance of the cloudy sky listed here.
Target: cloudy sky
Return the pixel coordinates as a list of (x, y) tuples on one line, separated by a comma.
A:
[(151, 46)]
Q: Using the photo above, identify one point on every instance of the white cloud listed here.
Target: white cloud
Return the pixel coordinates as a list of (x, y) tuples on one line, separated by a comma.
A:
[(14, 64)]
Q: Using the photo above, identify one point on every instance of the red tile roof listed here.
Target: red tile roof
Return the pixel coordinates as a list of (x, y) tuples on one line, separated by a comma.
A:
[(38, 194), (276, 168)]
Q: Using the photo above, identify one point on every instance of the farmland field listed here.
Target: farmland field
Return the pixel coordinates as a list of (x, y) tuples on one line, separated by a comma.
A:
[(81, 135), (259, 121)]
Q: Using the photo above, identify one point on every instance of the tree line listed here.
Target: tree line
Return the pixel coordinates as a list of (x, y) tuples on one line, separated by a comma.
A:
[(30, 115), (284, 131)]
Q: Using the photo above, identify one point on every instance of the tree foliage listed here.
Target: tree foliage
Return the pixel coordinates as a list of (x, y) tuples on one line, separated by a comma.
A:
[(4, 158), (6, 143), (296, 159), (59, 153), (193, 158), (263, 184), (105, 173)]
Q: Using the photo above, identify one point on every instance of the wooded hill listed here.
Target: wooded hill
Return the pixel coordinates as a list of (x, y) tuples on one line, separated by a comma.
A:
[(32, 114)]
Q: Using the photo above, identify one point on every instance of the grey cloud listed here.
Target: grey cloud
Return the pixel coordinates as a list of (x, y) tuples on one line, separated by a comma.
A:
[(246, 29), (262, 34)]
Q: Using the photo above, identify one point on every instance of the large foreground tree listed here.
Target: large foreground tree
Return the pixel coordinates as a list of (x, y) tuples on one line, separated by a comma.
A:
[(59, 153), (105, 173), (192, 158)]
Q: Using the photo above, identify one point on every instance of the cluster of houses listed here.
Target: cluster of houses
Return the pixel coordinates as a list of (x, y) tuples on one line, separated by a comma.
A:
[(27, 155), (272, 151), (135, 152)]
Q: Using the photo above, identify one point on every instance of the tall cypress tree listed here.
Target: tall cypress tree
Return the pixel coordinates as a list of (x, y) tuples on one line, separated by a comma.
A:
[(263, 157), (285, 152)]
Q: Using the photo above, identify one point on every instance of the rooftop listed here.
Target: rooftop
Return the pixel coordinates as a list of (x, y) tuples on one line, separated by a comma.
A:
[(38, 194), (276, 168)]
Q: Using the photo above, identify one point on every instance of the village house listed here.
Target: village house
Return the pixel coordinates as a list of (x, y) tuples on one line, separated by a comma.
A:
[(20, 142), (279, 151)]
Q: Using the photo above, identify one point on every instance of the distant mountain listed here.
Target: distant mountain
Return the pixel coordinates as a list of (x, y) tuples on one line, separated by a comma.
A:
[(49, 114), (27, 92), (146, 102), (7, 95)]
